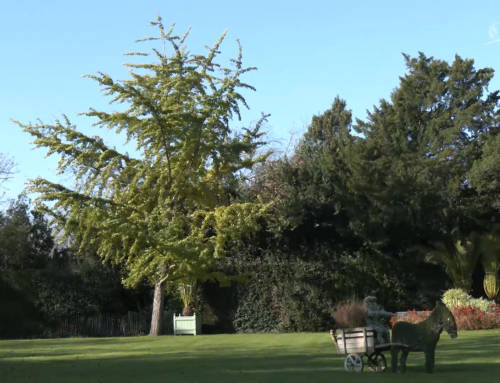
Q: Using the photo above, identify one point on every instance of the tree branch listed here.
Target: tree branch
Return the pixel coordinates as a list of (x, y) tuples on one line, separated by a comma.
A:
[(7, 168)]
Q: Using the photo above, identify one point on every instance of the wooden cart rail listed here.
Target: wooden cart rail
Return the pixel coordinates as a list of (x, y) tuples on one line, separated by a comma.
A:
[(354, 340)]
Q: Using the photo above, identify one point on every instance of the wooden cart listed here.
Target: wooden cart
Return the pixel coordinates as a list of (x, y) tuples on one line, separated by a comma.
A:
[(358, 344)]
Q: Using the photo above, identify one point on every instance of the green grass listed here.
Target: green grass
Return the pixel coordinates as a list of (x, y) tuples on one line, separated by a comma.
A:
[(473, 356)]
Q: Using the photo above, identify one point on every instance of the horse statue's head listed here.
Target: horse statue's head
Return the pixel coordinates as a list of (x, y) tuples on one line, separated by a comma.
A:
[(445, 320)]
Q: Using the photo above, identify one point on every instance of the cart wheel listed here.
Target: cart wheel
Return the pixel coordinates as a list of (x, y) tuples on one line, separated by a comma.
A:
[(353, 362), (377, 362)]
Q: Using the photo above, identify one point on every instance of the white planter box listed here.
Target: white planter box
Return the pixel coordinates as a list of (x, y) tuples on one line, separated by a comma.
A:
[(187, 325)]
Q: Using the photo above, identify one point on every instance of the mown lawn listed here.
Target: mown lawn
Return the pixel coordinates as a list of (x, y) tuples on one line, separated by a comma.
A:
[(473, 356)]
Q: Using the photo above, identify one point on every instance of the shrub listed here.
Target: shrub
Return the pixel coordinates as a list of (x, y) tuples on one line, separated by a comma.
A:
[(456, 297), (472, 318), (411, 316), (298, 291), (350, 314), (459, 298), (19, 318), (482, 304), (467, 317)]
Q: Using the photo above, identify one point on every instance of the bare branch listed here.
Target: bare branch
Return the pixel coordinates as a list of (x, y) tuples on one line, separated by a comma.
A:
[(7, 168)]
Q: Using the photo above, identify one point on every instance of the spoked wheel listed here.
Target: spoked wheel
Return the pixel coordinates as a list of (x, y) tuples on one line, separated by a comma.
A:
[(377, 362), (353, 362)]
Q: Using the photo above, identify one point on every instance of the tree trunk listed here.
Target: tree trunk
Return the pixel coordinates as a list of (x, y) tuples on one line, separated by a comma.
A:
[(157, 317)]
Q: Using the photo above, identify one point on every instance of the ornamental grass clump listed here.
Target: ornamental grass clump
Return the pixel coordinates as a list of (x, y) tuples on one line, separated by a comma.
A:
[(350, 314), (186, 291), (456, 297)]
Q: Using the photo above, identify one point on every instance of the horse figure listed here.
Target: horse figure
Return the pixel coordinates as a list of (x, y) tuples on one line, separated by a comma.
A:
[(422, 336)]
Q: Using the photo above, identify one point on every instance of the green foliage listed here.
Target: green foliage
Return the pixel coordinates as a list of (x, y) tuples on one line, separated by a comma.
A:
[(484, 176), (42, 283), (48, 296), (164, 215), (307, 191), (25, 238), (480, 303), (410, 164), (458, 256), (398, 185), (60, 294), (19, 316), (456, 297), (287, 292)]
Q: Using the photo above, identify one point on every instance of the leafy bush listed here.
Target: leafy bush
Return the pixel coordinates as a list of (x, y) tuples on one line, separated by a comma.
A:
[(472, 318), (350, 314), (19, 318), (297, 292), (482, 304), (455, 297), (285, 297)]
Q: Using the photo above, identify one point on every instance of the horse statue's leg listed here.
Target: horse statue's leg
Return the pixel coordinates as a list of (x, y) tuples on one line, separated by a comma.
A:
[(404, 355), (394, 355), (429, 360)]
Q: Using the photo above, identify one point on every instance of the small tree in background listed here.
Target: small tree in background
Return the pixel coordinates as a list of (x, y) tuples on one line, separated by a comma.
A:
[(165, 215), (7, 169)]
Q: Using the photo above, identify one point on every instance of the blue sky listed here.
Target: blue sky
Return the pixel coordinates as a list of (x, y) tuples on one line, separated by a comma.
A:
[(307, 52)]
